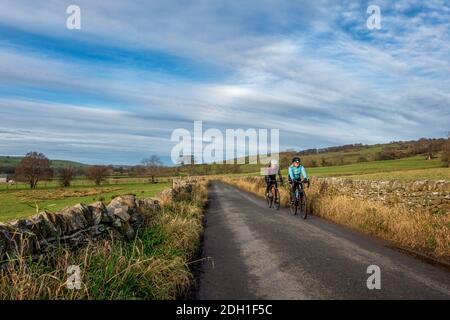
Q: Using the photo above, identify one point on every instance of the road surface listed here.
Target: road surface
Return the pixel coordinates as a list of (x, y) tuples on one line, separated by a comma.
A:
[(253, 252)]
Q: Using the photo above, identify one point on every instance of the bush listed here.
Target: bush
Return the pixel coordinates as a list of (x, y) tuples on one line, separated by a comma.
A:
[(362, 159), (66, 175), (97, 174)]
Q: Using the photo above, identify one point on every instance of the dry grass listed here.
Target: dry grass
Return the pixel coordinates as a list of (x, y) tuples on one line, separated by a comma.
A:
[(418, 230), (110, 270), (154, 266), (56, 194)]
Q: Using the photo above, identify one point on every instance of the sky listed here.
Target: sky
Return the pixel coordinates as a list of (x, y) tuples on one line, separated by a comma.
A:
[(113, 91)]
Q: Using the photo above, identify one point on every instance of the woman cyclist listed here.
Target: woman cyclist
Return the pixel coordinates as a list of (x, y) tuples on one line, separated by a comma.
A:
[(296, 175)]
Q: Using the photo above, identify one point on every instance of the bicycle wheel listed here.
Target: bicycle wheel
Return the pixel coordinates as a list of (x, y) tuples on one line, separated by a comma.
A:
[(269, 201), (276, 201), (303, 206), (271, 196), (293, 206)]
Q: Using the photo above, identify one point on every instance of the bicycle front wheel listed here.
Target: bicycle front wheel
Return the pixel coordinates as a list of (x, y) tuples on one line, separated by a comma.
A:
[(303, 206), (268, 199), (276, 201), (293, 207)]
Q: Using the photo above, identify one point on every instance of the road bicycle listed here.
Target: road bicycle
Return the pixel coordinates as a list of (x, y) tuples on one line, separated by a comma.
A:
[(273, 197), (300, 200)]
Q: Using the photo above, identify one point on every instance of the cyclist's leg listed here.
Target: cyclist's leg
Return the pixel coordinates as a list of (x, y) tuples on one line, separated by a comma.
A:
[(292, 190), (300, 189), (269, 188), (275, 184), (268, 185), (297, 186)]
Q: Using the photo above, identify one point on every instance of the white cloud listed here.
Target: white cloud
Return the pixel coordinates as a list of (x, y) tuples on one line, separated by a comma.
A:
[(310, 69)]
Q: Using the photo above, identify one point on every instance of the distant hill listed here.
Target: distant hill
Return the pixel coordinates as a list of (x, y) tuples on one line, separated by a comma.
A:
[(339, 156), (7, 162), (355, 153)]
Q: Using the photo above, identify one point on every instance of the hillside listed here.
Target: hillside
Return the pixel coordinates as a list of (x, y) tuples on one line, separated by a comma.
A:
[(11, 162), (354, 159)]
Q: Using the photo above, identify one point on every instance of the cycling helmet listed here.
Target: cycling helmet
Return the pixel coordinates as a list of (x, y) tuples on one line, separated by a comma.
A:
[(295, 159)]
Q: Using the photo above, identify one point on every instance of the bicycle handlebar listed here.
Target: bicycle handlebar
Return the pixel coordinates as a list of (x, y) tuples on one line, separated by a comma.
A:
[(306, 181)]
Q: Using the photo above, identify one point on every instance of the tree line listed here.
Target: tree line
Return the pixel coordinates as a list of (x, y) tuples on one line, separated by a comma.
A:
[(36, 167)]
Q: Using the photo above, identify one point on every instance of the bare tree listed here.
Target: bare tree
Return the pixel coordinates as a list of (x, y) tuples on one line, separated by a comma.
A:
[(33, 168), (138, 171), (66, 175), (153, 166), (97, 174)]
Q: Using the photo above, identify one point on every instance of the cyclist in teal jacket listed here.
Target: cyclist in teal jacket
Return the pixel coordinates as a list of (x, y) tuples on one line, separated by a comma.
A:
[(296, 175)]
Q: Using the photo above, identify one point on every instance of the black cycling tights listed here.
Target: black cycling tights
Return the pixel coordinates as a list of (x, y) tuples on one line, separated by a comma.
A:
[(269, 184), (294, 186)]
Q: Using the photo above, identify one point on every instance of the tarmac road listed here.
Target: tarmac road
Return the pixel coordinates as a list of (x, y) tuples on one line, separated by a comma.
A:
[(254, 252)]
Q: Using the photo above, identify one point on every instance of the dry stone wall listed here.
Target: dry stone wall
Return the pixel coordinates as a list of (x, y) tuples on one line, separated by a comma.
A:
[(426, 195), (433, 196), (77, 225), (74, 226)]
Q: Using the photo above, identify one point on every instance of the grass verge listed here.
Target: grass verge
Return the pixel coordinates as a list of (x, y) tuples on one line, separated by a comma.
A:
[(155, 266)]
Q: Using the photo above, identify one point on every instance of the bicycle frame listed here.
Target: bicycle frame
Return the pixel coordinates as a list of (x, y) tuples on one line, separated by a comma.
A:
[(299, 199), (274, 194), (297, 191)]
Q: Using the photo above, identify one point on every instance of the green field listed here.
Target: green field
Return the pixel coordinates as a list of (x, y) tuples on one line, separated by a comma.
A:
[(79, 182), (420, 174), (369, 152), (25, 202), (412, 168), (412, 163)]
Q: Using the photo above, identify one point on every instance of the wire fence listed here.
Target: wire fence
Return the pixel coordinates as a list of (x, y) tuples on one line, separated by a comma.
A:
[(83, 182)]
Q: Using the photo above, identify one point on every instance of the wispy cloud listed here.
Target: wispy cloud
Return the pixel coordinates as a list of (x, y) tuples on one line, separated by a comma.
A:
[(113, 91)]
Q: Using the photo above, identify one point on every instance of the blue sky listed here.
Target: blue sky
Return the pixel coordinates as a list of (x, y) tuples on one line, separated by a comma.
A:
[(114, 91)]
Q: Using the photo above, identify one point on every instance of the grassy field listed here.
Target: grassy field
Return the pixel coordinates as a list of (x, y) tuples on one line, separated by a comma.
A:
[(369, 152), (385, 166), (81, 182), (412, 168), (410, 175), (25, 202)]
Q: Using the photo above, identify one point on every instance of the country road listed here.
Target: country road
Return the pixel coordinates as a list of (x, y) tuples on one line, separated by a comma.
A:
[(253, 252)]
